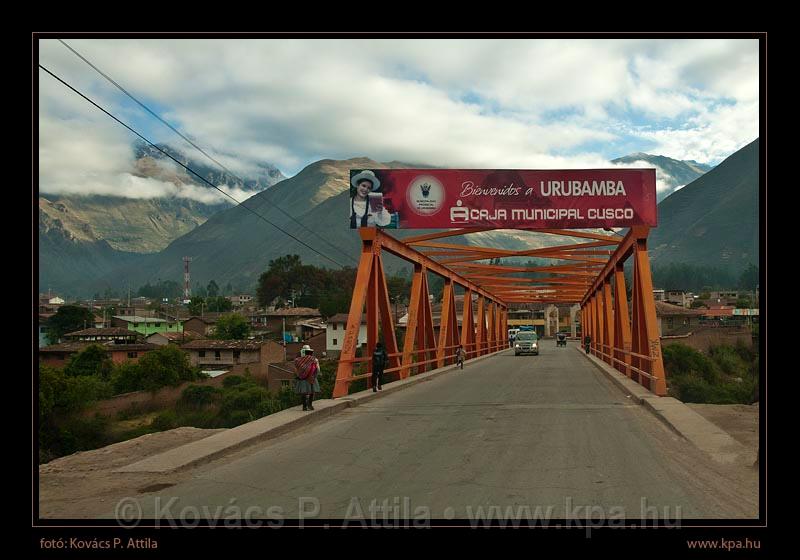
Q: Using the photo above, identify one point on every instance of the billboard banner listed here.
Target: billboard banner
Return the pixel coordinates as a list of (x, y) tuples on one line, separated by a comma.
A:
[(502, 198)]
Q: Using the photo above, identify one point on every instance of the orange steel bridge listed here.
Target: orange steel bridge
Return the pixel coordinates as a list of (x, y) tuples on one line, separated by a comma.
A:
[(589, 273)]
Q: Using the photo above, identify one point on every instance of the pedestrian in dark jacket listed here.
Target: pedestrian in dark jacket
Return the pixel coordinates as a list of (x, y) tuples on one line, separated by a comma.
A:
[(460, 356), (587, 341), (379, 360)]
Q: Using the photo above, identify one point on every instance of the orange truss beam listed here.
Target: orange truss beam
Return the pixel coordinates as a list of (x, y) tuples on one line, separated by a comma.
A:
[(632, 345), (591, 274), (422, 348)]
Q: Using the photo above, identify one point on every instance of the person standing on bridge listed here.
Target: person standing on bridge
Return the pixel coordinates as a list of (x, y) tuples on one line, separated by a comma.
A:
[(587, 341), (460, 356), (379, 360), (306, 383)]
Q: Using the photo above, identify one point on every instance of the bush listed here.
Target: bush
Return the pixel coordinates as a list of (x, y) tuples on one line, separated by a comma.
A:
[(239, 417), (681, 360), (724, 377), (729, 361), (327, 378), (197, 396), (167, 420), (165, 366), (242, 397), (91, 361), (73, 435), (126, 378), (203, 418), (137, 409), (60, 394), (234, 380)]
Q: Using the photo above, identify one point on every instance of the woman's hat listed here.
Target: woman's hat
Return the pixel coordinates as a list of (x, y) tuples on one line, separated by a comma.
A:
[(306, 347), (366, 175)]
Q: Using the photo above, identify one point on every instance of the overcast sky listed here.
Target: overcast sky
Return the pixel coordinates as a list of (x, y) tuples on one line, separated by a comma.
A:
[(532, 103)]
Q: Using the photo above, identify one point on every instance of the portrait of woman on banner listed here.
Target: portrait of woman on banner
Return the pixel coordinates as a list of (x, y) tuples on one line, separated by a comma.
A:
[(367, 208)]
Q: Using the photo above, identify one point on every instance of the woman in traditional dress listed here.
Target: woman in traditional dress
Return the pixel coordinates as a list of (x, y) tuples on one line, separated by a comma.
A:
[(306, 384)]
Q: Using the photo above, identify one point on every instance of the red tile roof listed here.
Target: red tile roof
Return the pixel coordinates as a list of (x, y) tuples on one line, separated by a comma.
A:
[(221, 345), (171, 335), (342, 318), (664, 309), (294, 312), (113, 331)]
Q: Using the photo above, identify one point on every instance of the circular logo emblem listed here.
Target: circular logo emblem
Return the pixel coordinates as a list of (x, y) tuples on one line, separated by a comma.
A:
[(425, 195)]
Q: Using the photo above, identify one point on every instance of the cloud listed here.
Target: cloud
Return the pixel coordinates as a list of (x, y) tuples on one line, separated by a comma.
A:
[(664, 181), (451, 103), (710, 136), (102, 163)]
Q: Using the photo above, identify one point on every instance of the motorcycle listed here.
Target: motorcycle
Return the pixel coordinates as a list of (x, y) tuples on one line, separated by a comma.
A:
[(561, 340)]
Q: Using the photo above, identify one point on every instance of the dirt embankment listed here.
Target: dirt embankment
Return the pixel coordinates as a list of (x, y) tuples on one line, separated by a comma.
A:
[(738, 420), (83, 485)]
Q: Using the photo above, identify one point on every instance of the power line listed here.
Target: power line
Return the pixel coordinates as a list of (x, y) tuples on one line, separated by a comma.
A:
[(198, 148), (190, 170)]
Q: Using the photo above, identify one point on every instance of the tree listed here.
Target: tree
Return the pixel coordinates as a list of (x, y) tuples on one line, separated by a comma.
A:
[(228, 289), (163, 289), (69, 318), (276, 281), (91, 361), (212, 289), (219, 304), (399, 288), (749, 278), (61, 394), (199, 290), (197, 305), (232, 327), (164, 366)]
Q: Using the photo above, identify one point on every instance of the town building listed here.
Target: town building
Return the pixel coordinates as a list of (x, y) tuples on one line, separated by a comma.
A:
[(57, 355), (205, 324), (273, 321), (678, 297), (164, 338), (44, 329), (334, 333), (145, 325), (240, 300), (676, 320), (226, 355), (118, 335)]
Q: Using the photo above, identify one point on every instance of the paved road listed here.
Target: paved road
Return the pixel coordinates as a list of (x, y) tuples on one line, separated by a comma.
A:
[(547, 435)]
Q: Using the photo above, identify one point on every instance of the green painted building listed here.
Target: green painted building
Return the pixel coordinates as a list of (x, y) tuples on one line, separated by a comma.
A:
[(146, 325)]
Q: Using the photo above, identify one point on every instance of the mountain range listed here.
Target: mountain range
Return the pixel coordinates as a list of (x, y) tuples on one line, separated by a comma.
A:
[(714, 220), (671, 174), (231, 244)]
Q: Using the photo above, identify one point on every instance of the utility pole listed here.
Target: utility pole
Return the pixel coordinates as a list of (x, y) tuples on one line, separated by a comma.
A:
[(283, 337)]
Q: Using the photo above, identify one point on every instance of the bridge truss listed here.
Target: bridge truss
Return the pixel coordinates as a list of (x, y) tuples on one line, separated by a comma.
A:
[(589, 273)]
